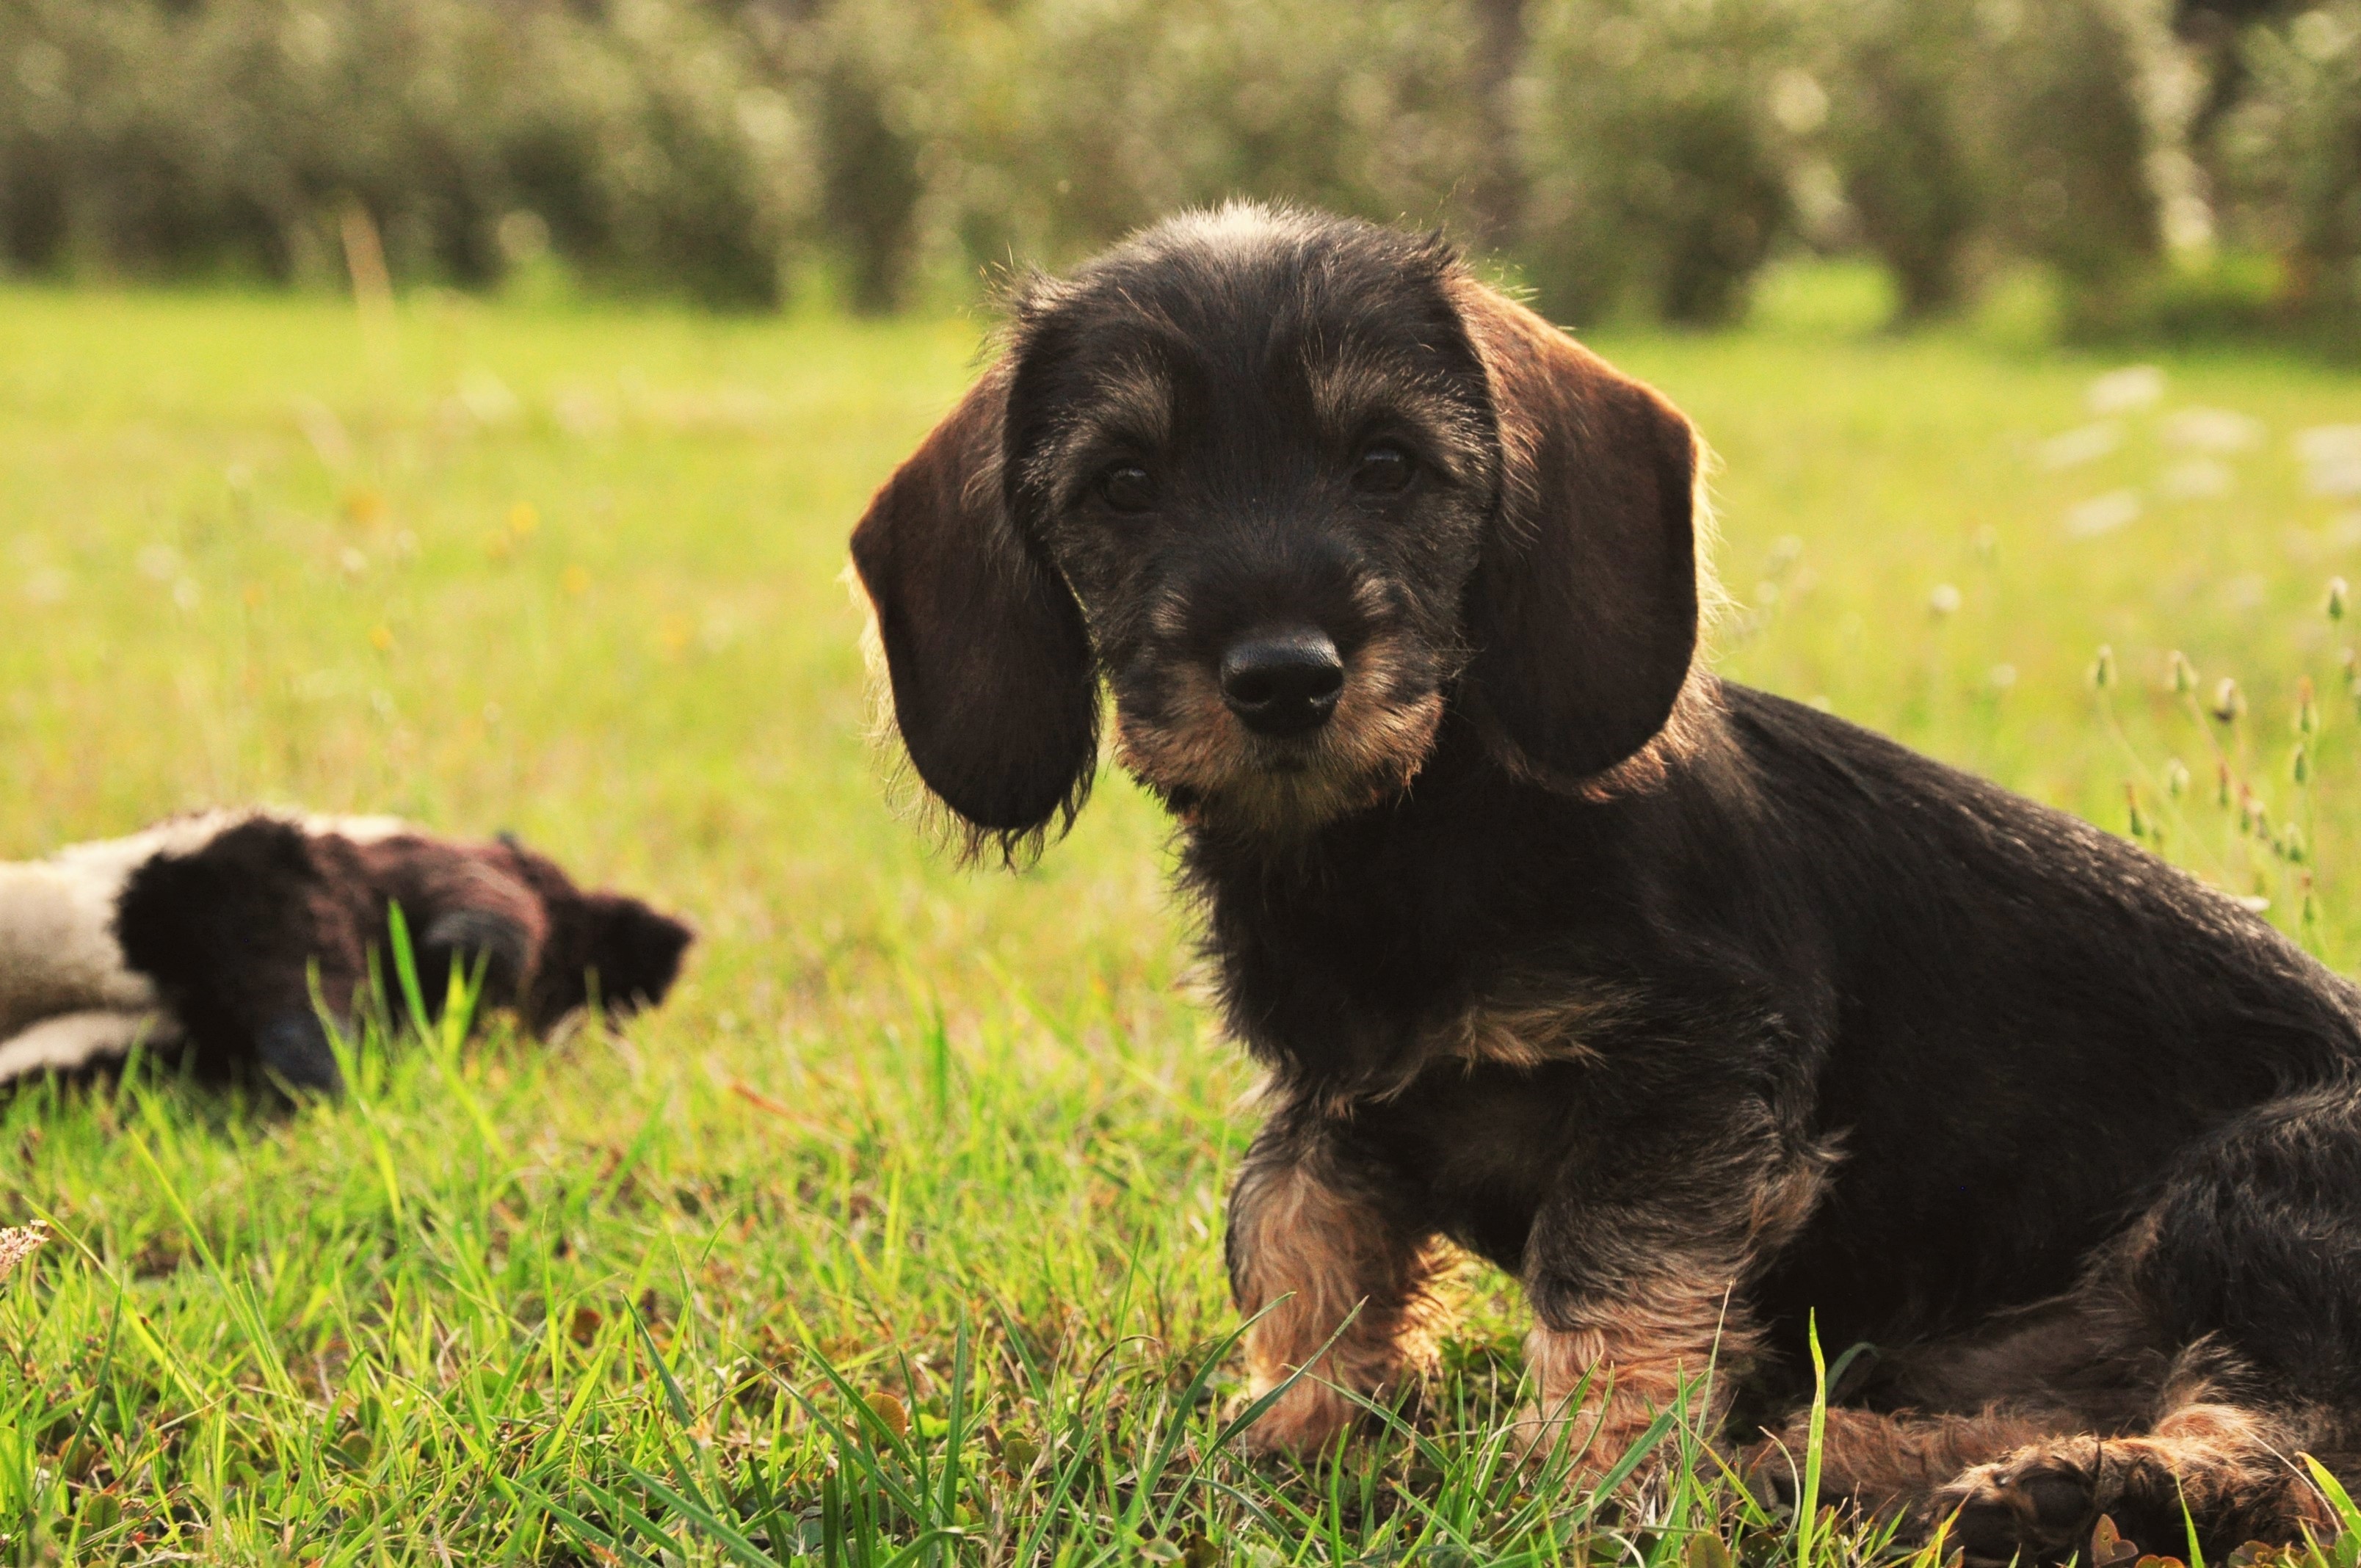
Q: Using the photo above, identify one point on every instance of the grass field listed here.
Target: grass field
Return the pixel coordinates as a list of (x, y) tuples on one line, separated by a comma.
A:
[(903, 1218)]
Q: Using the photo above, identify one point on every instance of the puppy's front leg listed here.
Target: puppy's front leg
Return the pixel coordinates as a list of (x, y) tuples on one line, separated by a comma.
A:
[(1637, 1268), (1603, 1365), (1313, 1235)]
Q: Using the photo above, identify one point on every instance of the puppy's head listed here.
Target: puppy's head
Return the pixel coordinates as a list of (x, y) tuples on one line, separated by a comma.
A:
[(1294, 488), (611, 945), (606, 945)]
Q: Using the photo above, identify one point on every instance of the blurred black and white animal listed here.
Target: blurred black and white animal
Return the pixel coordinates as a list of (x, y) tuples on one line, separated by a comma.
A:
[(203, 937), (1699, 1010)]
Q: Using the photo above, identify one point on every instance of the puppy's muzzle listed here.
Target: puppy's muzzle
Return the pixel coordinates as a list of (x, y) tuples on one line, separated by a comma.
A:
[(1282, 683)]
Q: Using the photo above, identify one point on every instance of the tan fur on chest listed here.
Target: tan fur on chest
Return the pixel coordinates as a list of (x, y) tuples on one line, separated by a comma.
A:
[(1515, 1028), (1521, 1032)]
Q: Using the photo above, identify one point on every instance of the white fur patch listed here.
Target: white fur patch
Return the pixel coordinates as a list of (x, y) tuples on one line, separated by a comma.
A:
[(67, 996), (58, 951), (73, 1040), (359, 829)]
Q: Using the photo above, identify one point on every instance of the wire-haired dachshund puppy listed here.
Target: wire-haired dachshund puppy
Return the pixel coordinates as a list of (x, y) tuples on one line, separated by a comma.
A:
[(1700, 1011)]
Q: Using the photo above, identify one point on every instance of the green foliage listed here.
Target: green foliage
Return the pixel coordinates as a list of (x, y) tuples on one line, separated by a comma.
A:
[(1910, 136), (1656, 167), (173, 138), (2290, 154), (1628, 157), (2076, 143), (877, 86), (903, 1218), (1097, 117), (1967, 131)]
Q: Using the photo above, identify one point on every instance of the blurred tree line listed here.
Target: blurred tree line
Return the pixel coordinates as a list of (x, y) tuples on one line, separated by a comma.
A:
[(2169, 162)]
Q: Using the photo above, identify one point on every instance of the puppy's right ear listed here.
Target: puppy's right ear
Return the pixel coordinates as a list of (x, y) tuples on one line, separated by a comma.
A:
[(1584, 607), (989, 659)]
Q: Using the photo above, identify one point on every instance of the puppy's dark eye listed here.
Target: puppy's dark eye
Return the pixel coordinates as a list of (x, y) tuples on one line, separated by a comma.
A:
[(1384, 469), (1128, 486)]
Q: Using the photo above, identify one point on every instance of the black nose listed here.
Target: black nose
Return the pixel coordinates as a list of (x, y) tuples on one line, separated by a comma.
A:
[(1282, 683)]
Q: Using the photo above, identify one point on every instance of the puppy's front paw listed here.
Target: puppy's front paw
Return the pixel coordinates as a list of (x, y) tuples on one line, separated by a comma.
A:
[(1590, 1440), (293, 1049), (1304, 1421), (2038, 1506)]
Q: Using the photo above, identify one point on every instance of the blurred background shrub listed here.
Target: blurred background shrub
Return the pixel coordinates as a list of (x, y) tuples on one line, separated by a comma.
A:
[(2169, 165), (644, 143), (1656, 170), (2285, 149)]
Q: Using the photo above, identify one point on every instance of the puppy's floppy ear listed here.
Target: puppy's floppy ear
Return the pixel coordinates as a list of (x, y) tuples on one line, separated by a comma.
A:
[(1583, 610), (989, 662)]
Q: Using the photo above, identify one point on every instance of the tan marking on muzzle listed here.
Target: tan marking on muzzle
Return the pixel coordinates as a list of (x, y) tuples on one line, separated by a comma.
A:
[(1370, 748)]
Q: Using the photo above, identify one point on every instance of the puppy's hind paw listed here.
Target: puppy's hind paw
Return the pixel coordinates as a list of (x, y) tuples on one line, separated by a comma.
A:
[(1768, 1470), (2032, 1507)]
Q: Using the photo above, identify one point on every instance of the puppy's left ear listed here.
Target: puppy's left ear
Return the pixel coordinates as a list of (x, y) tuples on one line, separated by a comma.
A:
[(989, 662), (1583, 610)]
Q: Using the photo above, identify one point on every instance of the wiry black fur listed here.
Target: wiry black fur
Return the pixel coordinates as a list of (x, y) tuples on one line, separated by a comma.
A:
[(2018, 1031), (228, 935), (235, 935), (2070, 1138)]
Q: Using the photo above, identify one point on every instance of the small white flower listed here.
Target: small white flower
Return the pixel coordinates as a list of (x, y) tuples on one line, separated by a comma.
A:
[(2081, 445), (18, 1242), (2118, 392), (2102, 514), (325, 430), (1944, 600), (2330, 455), (2329, 443), (2210, 429), (2197, 478), (487, 398), (2337, 480), (583, 413)]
